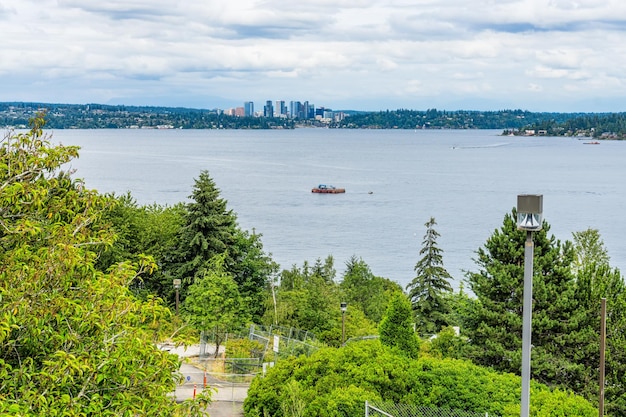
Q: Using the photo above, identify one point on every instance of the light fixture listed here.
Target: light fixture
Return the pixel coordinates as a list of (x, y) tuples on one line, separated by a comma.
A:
[(529, 211)]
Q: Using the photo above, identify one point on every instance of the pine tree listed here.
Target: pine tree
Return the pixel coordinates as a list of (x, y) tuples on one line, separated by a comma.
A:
[(210, 225), (211, 229), (428, 289), (494, 323)]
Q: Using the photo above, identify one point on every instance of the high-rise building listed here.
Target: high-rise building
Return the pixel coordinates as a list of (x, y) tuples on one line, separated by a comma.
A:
[(248, 108), (295, 110), (281, 109), (268, 109), (308, 110)]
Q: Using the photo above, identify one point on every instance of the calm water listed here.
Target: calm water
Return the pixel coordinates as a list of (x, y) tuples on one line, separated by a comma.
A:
[(395, 181)]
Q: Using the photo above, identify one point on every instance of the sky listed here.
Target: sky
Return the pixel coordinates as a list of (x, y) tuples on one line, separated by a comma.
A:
[(536, 55)]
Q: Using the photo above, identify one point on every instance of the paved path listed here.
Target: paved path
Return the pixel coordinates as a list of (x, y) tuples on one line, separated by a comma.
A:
[(228, 397)]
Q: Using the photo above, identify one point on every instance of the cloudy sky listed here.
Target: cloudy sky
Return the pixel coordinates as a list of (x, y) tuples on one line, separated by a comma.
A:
[(538, 55)]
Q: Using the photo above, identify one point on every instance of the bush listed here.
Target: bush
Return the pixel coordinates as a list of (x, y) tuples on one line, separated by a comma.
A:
[(336, 382)]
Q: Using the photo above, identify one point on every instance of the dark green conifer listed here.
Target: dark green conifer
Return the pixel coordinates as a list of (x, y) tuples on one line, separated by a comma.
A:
[(428, 289)]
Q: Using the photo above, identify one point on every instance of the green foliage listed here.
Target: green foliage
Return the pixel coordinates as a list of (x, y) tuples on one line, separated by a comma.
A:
[(396, 328), (429, 286), (102, 116), (308, 298), (369, 293), (209, 229), (244, 348), (214, 302), (494, 324), (337, 382), (438, 119), (589, 248), (565, 321), (603, 125), (446, 344), (140, 230), (252, 269), (73, 339)]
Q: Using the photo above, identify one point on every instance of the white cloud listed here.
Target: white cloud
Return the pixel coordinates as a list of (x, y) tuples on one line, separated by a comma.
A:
[(400, 53)]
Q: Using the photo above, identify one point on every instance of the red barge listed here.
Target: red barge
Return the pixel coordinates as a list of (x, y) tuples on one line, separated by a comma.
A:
[(328, 189)]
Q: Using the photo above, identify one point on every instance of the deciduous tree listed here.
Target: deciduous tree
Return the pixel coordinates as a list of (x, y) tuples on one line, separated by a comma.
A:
[(73, 339), (214, 303), (366, 291)]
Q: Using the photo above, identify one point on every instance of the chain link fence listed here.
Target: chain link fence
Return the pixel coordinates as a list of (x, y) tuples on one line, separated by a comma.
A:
[(281, 342), (224, 386), (385, 409)]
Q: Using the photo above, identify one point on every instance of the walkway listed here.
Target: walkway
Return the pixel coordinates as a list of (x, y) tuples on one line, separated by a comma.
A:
[(228, 397)]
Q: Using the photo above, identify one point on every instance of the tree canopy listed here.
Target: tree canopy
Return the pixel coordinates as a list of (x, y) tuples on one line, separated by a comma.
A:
[(337, 382), (73, 339), (565, 317)]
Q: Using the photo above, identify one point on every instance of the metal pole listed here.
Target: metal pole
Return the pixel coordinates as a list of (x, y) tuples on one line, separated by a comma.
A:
[(602, 352), (527, 320), (177, 301), (343, 327)]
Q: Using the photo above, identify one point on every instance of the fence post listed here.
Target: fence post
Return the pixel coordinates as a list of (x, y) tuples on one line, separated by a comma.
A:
[(367, 409)]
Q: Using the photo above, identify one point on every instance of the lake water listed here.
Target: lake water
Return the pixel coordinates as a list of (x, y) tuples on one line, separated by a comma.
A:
[(395, 180)]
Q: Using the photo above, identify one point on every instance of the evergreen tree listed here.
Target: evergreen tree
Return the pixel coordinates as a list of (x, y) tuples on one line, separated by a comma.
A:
[(559, 324), (396, 327), (428, 289), (209, 230)]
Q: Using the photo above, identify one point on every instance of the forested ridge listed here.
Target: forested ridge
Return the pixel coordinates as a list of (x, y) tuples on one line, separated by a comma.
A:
[(86, 294), (99, 116)]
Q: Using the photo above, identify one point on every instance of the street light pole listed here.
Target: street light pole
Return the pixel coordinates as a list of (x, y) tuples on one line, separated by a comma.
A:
[(177, 287), (529, 218), (344, 307), (527, 322)]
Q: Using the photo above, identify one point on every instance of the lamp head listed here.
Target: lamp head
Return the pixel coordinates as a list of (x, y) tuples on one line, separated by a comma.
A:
[(176, 283), (529, 212), (344, 306)]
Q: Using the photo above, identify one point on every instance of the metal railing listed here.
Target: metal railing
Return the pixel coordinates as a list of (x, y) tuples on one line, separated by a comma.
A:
[(386, 409)]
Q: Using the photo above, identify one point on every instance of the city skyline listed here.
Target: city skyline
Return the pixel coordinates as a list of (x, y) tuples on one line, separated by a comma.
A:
[(561, 56)]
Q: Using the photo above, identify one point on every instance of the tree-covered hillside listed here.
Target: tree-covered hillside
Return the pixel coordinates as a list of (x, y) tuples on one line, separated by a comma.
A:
[(442, 119), (99, 116), (599, 126)]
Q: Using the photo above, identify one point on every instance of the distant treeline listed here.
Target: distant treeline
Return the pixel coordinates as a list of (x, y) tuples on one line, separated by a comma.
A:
[(599, 126), (99, 116)]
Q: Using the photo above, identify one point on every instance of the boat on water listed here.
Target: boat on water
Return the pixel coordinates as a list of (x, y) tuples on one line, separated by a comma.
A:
[(595, 142), (327, 189)]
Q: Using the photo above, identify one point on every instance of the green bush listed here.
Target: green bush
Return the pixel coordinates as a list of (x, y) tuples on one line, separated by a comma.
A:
[(336, 382)]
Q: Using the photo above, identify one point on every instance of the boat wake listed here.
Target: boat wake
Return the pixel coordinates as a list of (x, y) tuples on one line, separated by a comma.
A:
[(494, 145)]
